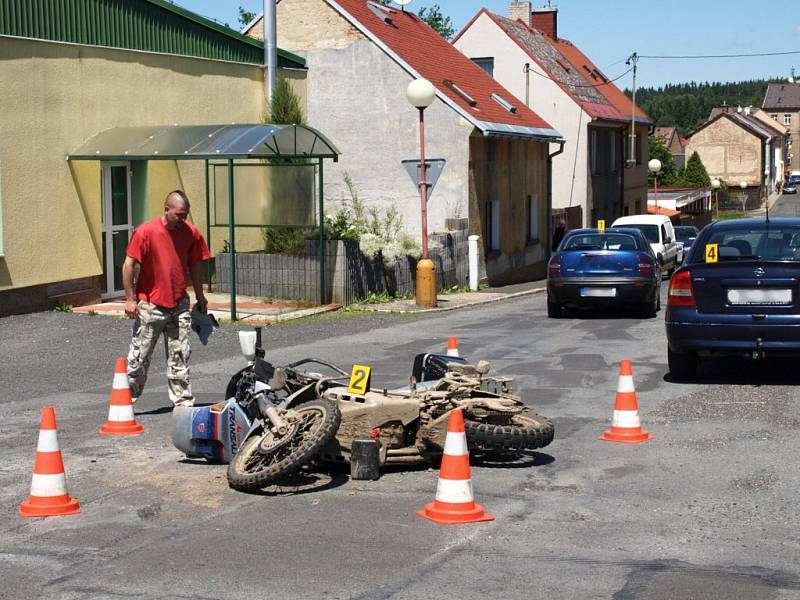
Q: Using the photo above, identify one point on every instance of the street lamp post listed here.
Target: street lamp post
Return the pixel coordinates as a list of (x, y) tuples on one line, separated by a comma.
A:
[(715, 184), (655, 166), (743, 185), (420, 94)]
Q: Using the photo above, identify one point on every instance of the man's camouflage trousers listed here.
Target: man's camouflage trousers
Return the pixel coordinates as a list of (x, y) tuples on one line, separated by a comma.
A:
[(153, 320)]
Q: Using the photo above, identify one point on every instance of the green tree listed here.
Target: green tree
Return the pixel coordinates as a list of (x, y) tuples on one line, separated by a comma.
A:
[(285, 105), (245, 16), (669, 171), (438, 22), (695, 174)]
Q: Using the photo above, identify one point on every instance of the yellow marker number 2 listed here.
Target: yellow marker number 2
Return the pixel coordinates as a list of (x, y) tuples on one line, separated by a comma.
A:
[(712, 253), (359, 379)]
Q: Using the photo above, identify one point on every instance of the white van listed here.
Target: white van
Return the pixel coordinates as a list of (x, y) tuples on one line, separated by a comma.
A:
[(658, 230)]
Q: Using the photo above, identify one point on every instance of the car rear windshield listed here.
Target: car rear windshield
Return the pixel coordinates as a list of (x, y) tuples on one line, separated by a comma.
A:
[(650, 231), (598, 241), (684, 233), (773, 243)]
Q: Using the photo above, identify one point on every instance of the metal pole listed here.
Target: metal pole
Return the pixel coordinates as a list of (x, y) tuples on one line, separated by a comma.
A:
[(270, 50), (632, 159), (321, 240), (232, 240), (527, 69), (208, 229), (655, 182), (423, 183)]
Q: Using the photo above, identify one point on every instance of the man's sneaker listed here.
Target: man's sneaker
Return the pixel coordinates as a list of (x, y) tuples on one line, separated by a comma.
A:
[(134, 399)]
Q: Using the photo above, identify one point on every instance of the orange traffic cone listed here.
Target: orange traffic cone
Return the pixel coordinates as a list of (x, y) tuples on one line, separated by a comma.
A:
[(49, 497), (454, 502), (452, 346), (625, 426), (120, 410)]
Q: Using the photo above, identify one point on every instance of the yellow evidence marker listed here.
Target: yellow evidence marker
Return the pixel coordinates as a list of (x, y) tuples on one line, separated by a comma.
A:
[(359, 379), (601, 226), (712, 253)]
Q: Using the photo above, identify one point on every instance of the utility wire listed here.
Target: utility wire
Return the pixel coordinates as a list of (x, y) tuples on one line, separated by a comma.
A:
[(721, 55), (584, 86)]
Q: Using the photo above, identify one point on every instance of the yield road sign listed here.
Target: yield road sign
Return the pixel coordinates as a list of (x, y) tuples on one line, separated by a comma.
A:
[(433, 168)]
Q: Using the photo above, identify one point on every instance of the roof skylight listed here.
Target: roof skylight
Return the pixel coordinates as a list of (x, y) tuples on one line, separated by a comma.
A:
[(460, 93), (504, 103)]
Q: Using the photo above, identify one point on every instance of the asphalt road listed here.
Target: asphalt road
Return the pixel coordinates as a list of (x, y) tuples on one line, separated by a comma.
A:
[(706, 510)]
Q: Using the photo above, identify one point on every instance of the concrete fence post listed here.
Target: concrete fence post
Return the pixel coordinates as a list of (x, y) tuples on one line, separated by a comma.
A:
[(473, 262)]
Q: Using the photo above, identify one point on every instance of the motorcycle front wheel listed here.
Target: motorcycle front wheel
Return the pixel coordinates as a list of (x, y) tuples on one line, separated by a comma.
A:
[(516, 432), (266, 457)]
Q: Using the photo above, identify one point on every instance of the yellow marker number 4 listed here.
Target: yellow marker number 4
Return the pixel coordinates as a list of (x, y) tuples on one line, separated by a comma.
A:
[(712, 253), (359, 379)]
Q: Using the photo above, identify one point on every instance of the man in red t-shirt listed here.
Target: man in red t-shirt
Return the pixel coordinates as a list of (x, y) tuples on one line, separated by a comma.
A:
[(164, 248)]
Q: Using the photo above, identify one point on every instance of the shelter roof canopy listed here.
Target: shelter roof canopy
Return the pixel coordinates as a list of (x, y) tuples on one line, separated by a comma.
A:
[(185, 142)]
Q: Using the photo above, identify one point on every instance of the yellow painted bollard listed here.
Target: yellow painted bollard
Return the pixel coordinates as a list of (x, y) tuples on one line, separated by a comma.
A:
[(426, 283)]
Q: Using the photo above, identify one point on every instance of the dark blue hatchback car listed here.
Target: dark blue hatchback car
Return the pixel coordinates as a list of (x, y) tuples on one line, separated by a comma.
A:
[(738, 293), (609, 268)]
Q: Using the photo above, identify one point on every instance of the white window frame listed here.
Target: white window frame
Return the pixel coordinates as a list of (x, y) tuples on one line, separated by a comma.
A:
[(533, 218), (787, 119)]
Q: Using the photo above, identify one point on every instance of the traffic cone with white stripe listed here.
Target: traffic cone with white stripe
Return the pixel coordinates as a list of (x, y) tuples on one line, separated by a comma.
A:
[(49, 497), (454, 503), (120, 409), (625, 425), (452, 346)]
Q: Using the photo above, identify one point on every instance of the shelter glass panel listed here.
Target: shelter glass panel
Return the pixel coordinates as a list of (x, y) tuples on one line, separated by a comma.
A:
[(275, 195)]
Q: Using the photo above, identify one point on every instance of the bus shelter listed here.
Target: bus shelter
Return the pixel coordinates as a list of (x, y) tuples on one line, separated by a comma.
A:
[(262, 150)]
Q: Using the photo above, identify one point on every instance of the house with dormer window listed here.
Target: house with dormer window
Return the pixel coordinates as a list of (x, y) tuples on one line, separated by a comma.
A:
[(597, 176), (361, 56)]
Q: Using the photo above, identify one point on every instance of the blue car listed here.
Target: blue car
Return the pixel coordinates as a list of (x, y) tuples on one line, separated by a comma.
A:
[(685, 235), (615, 267), (738, 293)]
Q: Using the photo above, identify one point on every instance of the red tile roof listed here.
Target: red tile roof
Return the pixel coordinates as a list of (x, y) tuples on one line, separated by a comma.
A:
[(611, 92), (413, 42), (586, 86)]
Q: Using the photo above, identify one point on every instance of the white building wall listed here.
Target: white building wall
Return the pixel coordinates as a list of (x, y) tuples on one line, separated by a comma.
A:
[(356, 96), (571, 183)]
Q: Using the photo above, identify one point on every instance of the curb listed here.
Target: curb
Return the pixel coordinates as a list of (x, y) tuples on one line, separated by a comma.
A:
[(449, 308)]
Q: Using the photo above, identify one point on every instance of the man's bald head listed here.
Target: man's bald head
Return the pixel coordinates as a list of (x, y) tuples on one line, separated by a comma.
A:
[(176, 209), (176, 199)]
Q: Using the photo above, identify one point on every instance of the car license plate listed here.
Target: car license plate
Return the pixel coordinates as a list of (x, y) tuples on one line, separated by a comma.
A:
[(599, 292), (759, 296)]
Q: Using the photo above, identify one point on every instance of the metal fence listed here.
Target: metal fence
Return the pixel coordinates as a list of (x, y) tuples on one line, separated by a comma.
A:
[(349, 275)]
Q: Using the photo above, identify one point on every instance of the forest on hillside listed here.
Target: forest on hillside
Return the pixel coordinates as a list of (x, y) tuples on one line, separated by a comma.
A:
[(687, 105)]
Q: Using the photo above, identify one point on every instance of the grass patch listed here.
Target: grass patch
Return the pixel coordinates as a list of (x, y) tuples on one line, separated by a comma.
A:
[(61, 307), (726, 216)]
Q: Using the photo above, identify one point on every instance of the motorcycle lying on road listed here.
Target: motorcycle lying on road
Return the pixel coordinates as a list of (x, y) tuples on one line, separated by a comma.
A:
[(279, 418)]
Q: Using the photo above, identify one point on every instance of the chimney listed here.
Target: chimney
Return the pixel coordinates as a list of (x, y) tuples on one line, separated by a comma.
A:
[(546, 20), (521, 11)]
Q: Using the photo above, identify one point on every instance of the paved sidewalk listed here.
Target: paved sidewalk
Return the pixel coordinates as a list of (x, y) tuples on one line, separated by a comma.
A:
[(257, 311), (248, 309), (456, 300)]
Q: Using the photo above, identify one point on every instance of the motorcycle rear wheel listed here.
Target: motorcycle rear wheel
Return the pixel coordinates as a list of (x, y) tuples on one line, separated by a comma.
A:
[(262, 458), (519, 432)]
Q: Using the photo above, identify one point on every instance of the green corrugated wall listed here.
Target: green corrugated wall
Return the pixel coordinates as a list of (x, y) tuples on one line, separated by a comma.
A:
[(148, 25)]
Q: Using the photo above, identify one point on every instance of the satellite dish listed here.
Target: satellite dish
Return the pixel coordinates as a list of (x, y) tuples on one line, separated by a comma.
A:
[(402, 2)]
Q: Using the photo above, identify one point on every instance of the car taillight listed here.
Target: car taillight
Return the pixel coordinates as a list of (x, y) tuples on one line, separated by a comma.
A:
[(645, 268), (681, 292), (554, 268)]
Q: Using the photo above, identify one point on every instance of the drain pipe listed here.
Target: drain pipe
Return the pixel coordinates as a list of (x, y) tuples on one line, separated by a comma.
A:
[(270, 50), (549, 240)]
